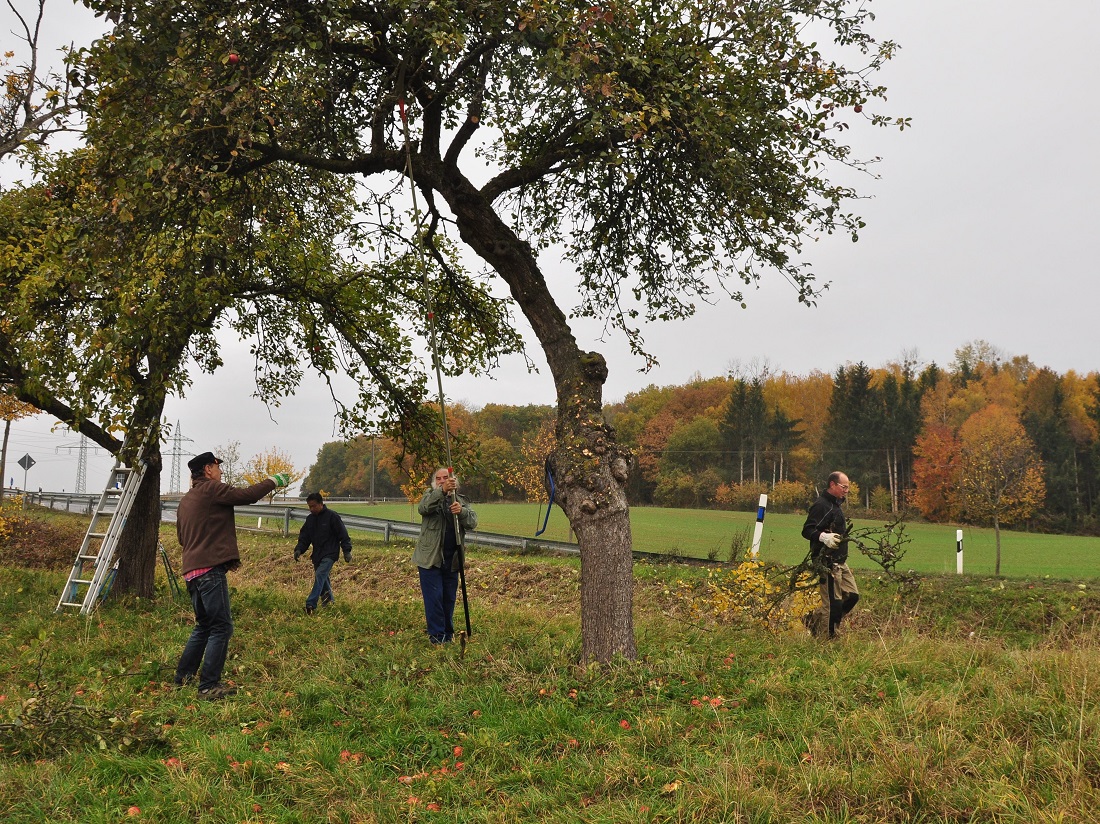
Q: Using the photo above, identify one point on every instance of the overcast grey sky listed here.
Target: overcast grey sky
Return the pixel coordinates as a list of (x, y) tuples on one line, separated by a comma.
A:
[(980, 226)]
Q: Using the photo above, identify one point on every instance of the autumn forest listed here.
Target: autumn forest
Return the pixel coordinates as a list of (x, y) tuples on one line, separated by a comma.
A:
[(986, 439)]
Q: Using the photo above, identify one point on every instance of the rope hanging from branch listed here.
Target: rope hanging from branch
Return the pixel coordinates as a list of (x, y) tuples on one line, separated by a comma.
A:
[(434, 344)]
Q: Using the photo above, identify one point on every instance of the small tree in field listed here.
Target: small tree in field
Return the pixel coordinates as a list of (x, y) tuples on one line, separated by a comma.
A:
[(999, 477), (230, 456), (267, 464), (529, 472)]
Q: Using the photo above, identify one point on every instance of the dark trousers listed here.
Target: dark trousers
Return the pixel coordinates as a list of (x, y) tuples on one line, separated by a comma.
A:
[(209, 641), (839, 595), (322, 587), (439, 589)]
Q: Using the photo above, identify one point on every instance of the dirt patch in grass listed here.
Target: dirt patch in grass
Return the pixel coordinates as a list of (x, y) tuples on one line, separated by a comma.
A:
[(385, 572)]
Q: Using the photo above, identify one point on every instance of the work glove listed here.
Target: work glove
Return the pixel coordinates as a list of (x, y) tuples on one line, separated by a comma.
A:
[(281, 479), (830, 539), (297, 553), (347, 556)]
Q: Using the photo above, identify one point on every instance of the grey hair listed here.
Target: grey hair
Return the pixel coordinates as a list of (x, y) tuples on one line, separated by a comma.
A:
[(436, 472)]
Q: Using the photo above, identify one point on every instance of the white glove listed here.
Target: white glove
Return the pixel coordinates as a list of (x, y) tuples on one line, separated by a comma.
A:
[(830, 539)]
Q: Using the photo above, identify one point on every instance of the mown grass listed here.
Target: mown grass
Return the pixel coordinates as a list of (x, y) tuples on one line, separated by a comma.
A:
[(703, 533), (965, 700)]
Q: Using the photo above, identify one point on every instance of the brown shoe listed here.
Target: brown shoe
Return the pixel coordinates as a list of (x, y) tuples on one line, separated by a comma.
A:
[(217, 692)]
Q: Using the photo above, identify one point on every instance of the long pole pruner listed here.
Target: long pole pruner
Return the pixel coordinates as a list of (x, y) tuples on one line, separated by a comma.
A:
[(433, 339)]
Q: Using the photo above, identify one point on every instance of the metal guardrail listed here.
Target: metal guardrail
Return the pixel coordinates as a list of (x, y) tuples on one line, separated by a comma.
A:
[(80, 502), (84, 503), (287, 515), (392, 529)]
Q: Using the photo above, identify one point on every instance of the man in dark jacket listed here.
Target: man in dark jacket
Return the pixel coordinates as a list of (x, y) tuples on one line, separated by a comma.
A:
[(207, 531), (825, 529), (326, 531)]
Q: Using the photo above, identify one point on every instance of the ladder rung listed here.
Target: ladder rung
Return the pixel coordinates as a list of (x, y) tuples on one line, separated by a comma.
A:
[(72, 603), (80, 581), (97, 534), (88, 557)]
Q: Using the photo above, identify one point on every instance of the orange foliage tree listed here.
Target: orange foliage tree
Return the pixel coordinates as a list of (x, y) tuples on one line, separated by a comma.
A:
[(936, 454), (999, 477)]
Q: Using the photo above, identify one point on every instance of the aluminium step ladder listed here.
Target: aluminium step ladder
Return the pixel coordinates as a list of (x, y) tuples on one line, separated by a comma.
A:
[(95, 561)]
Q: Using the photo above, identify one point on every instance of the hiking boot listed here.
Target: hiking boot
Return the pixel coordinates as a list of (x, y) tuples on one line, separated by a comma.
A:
[(217, 692), (186, 681), (310, 610)]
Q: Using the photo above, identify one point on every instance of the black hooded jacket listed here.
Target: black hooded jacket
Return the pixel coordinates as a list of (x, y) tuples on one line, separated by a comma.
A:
[(327, 533)]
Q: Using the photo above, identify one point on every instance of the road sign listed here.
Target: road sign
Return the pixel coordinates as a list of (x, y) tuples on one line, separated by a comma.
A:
[(27, 462)]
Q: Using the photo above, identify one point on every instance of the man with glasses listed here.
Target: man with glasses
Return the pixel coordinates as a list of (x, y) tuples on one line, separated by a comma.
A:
[(826, 529)]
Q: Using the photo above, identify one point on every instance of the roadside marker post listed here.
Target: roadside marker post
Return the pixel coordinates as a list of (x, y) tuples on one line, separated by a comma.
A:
[(758, 530), (958, 552)]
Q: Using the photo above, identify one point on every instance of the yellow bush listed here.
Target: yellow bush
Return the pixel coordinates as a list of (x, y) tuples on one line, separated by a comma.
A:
[(790, 495), (743, 497), (10, 512), (748, 595)]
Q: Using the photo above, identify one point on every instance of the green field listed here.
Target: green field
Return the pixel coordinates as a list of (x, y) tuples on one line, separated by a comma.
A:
[(699, 533), (955, 702)]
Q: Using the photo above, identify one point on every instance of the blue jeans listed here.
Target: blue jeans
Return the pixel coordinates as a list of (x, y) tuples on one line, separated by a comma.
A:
[(439, 589), (209, 641), (322, 589)]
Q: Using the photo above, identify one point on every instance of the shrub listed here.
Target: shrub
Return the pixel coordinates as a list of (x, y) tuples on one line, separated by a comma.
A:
[(674, 490), (11, 512), (790, 496), (743, 497), (750, 594), (881, 500)]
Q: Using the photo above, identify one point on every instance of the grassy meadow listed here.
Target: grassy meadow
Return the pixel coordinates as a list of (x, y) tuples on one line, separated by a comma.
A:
[(702, 533), (962, 700)]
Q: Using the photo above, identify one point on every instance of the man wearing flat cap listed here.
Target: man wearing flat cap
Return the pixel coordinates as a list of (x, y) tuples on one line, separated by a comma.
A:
[(207, 532)]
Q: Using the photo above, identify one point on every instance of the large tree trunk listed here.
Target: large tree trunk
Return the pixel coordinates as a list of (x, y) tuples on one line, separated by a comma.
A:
[(137, 546), (591, 469), (592, 473)]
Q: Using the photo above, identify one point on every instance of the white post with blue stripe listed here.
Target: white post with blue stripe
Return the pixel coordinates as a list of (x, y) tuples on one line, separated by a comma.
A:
[(761, 508), (958, 552)]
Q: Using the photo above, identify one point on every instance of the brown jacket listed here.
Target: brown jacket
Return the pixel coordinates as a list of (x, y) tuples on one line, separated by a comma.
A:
[(205, 522)]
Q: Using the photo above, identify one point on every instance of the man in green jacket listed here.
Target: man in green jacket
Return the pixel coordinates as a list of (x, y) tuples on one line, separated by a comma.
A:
[(438, 555), (207, 531)]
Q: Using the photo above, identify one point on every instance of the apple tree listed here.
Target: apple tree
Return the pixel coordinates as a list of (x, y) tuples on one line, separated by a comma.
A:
[(107, 311), (661, 153)]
